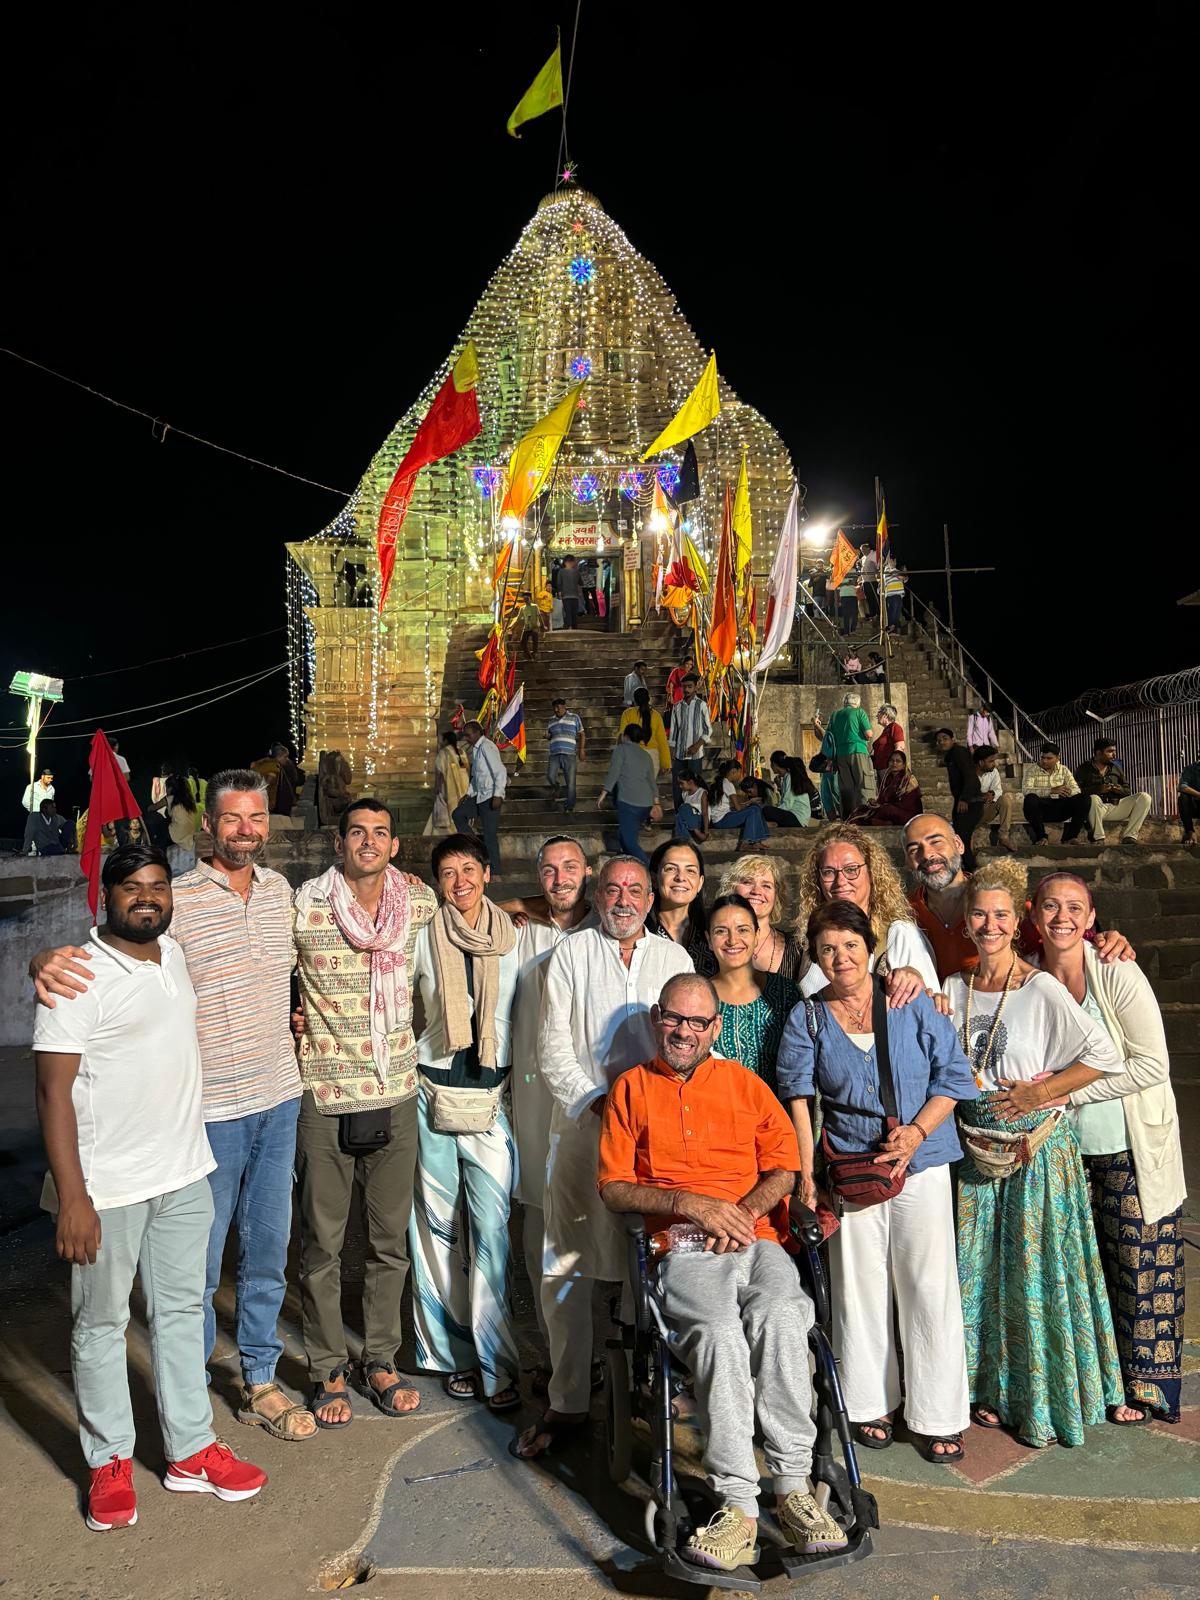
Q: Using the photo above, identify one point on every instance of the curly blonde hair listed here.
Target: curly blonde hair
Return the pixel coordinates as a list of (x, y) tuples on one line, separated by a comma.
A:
[(767, 867), (1002, 875), (888, 902)]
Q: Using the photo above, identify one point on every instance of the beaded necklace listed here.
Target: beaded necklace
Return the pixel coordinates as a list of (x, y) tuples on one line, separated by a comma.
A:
[(981, 1070)]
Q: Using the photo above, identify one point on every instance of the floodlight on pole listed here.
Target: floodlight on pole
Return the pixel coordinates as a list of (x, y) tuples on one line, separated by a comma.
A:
[(34, 687)]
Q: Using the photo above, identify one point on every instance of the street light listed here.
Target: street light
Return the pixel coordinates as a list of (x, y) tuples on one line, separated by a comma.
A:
[(34, 687)]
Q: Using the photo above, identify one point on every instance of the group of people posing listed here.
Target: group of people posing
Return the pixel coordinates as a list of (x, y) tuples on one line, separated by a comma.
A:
[(612, 1045)]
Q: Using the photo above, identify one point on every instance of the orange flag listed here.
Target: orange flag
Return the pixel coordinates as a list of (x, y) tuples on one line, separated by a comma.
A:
[(844, 557), (723, 632)]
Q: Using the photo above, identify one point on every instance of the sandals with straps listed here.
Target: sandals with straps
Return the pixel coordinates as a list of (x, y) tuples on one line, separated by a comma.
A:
[(865, 1439), (280, 1426), (942, 1458), (381, 1399), (322, 1396)]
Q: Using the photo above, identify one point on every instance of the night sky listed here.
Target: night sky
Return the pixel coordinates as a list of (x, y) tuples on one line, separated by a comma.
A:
[(949, 256)]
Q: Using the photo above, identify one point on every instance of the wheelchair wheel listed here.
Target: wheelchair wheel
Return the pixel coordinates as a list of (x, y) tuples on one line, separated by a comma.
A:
[(618, 1417)]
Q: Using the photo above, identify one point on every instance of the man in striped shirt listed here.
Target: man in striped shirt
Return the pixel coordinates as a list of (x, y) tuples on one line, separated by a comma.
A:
[(691, 729), (233, 920), (567, 747)]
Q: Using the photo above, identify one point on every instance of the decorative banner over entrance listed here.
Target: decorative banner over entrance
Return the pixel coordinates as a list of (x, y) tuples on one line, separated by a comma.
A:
[(579, 538)]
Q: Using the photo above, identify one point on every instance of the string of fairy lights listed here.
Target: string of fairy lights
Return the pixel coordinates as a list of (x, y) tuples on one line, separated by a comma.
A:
[(572, 302)]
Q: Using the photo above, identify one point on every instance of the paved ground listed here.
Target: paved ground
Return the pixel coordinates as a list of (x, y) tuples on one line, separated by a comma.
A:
[(1121, 1516)]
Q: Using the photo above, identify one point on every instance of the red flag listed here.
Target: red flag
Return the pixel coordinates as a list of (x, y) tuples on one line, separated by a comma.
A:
[(722, 634), (459, 719), (489, 659), (111, 799), (451, 421)]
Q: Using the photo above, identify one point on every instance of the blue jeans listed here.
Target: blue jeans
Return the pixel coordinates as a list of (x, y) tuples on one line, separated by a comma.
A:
[(469, 810), (629, 820), (895, 603), (750, 820), (252, 1183), (564, 761)]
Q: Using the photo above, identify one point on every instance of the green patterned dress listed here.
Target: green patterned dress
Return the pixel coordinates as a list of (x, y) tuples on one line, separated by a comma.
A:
[(751, 1033), (1041, 1350)]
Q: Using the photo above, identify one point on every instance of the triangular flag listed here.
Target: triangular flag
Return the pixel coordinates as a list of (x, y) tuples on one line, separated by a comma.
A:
[(688, 487), (534, 455), (510, 724), (111, 801), (843, 557), (542, 95), (722, 634), (697, 411), (741, 525), (781, 587)]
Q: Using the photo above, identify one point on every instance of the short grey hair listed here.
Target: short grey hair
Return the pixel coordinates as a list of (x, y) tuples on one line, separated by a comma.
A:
[(852, 698), (888, 711), (624, 861), (233, 780)]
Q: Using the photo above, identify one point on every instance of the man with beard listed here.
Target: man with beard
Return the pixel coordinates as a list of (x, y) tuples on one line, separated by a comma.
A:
[(356, 930), (120, 1104), (233, 922), (688, 1138), (934, 853), (543, 922), (600, 985)]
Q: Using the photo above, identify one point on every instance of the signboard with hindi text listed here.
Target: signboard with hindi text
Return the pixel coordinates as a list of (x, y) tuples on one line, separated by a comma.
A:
[(580, 538)]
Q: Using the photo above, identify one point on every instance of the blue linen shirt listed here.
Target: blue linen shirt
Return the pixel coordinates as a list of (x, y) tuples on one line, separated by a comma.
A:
[(926, 1058), (488, 777)]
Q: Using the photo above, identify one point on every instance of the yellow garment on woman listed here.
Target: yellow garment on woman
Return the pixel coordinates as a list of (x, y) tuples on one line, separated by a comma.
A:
[(658, 735)]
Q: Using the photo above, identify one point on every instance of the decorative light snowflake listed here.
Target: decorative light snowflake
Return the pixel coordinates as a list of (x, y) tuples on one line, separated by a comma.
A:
[(487, 480), (630, 484), (581, 367), (668, 478), (586, 486), (582, 269)]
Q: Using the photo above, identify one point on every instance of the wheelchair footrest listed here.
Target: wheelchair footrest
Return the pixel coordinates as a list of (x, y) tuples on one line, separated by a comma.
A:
[(709, 1577), (866, 1508), (798, 1565)]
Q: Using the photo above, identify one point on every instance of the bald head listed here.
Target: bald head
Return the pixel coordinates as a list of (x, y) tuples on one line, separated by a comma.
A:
[(686, 1021)]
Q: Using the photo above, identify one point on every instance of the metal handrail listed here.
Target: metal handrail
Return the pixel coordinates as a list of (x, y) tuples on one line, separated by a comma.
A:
[(939, 636)]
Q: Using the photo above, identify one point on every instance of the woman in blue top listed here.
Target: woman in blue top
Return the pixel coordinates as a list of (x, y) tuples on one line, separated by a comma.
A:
[(894, 1262)]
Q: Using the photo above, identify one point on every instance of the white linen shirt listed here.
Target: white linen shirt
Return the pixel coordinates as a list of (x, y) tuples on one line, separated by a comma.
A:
[(907, 946), (595, 1021), (431, 1046), (137, 1094)]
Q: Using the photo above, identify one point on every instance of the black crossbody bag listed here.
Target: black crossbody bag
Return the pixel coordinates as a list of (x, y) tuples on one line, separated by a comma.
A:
[(360, 1132)]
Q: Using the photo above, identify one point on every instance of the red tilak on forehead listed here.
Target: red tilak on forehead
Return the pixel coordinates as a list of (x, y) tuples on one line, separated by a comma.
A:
[(1053, 877)]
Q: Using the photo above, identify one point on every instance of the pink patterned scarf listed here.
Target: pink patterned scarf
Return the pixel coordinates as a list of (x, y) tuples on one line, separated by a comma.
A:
[(385, 938)]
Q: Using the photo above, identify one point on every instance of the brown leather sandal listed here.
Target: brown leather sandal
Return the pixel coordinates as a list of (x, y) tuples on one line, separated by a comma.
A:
[(280, 1426)]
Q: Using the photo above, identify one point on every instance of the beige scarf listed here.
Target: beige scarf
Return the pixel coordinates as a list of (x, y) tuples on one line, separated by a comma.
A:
[(454, 940)]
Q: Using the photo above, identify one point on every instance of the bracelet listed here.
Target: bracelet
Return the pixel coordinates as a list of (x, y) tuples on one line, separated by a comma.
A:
[(924, 1132)]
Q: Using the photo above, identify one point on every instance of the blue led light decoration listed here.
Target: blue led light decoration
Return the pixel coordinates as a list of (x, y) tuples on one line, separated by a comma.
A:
[(487, 480), (582, 269), (581, 367), (668, 478), (631, 484), (586, 486)]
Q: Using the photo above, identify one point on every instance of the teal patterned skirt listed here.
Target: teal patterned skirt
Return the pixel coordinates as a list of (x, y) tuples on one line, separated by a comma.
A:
[(1040, 1345)]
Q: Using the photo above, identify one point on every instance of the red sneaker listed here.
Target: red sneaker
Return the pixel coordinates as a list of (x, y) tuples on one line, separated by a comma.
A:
[(215, 1470), (112, 1502)]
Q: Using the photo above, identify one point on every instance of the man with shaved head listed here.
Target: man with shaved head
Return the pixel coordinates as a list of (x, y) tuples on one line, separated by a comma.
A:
[(689, 1138), (601, 985)]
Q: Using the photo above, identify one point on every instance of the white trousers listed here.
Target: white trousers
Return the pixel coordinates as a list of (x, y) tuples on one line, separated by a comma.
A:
[(567, 1316), (1132, 811), (901, 1255), (533, 1239)]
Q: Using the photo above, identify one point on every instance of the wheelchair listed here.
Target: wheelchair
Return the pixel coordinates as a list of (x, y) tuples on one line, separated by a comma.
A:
[(641, 1377)]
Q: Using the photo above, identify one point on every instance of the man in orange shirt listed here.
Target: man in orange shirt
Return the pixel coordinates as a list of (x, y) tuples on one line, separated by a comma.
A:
[(689, 1138)]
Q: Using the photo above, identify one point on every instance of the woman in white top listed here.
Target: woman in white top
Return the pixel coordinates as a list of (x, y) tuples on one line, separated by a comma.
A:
[(1128, 1131), (1041, 1353), (846, 864), (179, 804)]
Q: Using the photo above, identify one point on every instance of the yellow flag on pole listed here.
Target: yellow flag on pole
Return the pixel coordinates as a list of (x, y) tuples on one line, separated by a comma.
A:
[(697, 411), (741, 524), (542, 95), (531, 460), (696, 561)]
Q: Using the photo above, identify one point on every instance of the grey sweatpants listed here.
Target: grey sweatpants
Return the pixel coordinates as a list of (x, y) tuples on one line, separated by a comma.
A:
[(741, 1323)]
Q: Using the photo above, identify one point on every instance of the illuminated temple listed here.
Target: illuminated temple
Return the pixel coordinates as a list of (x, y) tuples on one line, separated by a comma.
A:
[(573, 300)]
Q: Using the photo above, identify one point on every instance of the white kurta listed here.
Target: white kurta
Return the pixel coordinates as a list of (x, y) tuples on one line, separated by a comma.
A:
[(531, 1099), (907, 946), (595, 1024)]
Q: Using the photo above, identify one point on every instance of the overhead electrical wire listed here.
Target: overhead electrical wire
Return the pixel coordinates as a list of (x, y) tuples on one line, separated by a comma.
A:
[(125, 727)]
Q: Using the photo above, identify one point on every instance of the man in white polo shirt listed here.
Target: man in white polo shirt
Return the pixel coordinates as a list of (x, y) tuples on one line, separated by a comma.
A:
[(119, 1100)]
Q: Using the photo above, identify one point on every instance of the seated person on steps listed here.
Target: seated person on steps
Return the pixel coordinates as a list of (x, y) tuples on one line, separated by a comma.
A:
[(689, 1137)]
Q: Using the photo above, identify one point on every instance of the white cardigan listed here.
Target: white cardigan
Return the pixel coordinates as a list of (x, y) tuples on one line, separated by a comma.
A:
[(1131, 1014)]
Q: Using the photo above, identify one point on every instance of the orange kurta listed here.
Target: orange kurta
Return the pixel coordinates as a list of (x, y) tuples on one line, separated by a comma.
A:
[(714, 1133)]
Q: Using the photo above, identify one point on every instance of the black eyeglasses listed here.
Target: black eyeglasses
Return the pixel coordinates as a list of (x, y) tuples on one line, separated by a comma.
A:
[(673, 1019)]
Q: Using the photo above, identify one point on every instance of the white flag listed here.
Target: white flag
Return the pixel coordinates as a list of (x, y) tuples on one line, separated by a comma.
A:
[(781, 589)]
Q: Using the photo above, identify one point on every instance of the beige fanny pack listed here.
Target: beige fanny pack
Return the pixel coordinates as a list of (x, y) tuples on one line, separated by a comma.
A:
[(998, 1155), (462, 1110)]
